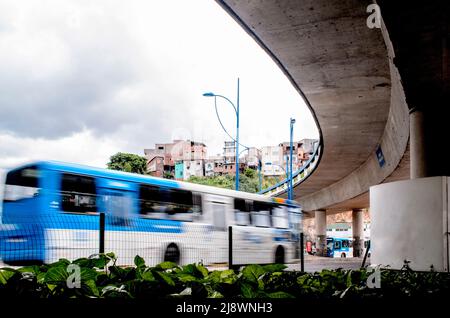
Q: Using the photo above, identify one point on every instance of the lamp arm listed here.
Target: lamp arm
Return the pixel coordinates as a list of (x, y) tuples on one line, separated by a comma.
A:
[(221, 124)]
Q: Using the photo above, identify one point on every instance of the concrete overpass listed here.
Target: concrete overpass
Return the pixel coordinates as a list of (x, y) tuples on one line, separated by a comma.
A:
[(380, 96)]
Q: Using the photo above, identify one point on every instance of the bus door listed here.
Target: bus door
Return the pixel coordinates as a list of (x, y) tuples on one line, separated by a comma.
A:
[(218, 209), (330, 247), (337, 247)]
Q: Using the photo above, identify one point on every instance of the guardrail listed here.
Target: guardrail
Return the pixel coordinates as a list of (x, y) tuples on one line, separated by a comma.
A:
[(297, 176)]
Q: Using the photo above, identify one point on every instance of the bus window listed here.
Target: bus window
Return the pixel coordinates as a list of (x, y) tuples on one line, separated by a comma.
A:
[(22, 184), (78, 193), (337, 245), (280, 217), (174, 204), (241, 212), (261, 218), (261, 214), (345, 244)]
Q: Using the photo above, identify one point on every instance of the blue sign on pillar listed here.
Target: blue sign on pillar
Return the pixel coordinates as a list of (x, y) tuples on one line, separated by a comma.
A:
[(380, 157)]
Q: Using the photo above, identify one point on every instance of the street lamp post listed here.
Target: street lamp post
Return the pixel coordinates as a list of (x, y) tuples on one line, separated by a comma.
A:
[(287, 174), (259, 174), (236, 141), (237, 138), (292, 122)]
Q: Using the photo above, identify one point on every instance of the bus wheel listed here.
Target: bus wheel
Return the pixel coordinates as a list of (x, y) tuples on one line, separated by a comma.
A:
[(343, 255), (279, 255), (172, 254)]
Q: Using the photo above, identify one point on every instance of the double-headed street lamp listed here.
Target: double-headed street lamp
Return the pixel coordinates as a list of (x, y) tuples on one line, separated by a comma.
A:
[(236, 141)]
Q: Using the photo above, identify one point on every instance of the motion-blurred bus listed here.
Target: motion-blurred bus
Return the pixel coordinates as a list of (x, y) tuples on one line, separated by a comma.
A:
[(51, 211)]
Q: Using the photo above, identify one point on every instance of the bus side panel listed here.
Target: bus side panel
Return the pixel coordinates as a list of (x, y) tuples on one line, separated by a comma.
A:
[(253, 245)]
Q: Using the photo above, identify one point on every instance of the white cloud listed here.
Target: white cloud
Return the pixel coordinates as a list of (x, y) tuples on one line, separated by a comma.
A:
[(81, 80), (80, 147)]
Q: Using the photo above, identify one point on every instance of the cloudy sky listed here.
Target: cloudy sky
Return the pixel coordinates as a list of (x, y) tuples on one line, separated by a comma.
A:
[(82, 80)]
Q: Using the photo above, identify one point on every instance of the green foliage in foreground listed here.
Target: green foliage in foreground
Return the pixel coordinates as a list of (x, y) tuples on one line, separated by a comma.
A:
[(101, 278)]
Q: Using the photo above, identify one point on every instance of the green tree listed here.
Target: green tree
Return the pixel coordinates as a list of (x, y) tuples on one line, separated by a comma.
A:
[(128, 162), (250, 173)]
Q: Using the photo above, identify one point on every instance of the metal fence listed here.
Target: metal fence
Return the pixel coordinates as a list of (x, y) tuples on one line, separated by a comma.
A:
[(156, 240)]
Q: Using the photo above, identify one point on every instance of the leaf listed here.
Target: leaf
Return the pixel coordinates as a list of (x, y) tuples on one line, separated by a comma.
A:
[(30, 269), (248, 291), (5, 275), (186, 278), (345, 292), (166, 265), (186, 292), (148, 276), (228, 276), (214, 276), (165, 278), (41, 277), (215, 294), (61, 262), (111, 256), (56, 275), (88, 274), (253, 272), (203, 270), (280, 294), (114, 291), (139, 261), (349, 279), (92, 286), (271, 268)]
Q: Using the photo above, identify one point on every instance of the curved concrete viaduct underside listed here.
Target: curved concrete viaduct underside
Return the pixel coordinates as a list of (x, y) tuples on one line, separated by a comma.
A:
[(346, 73)]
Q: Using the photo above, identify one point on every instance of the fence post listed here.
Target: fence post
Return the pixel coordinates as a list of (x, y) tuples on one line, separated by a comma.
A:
[(365, 255), (101, 236), (230, 247), (302, 254)]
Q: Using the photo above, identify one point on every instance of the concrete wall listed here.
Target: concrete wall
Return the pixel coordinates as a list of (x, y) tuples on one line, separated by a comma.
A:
[(410, 222)]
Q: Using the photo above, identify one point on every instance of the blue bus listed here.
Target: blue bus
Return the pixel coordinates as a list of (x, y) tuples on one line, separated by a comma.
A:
[(51, 211), (339, 247)]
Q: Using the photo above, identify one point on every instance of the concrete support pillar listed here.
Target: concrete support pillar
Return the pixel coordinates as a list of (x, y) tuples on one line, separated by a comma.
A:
[(321, 232), (358, 232), (418, 153)]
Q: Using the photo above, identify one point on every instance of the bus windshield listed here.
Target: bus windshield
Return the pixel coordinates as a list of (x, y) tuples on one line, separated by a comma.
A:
[(22, 184)]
